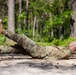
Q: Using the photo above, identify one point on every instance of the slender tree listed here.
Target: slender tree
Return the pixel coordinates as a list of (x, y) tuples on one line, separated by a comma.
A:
[(27, 2), (20, 10), (73, 19), (11, 15)]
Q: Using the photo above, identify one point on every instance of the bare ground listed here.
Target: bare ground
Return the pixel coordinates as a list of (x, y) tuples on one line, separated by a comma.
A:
[(25, 65)]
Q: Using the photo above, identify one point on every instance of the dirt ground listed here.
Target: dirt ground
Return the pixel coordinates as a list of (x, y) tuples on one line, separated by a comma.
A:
[(25, 65)]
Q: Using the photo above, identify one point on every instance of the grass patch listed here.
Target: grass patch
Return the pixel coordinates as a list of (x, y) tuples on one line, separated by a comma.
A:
[(58, 42)]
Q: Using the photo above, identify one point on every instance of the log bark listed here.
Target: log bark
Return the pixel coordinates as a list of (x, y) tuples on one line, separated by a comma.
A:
[(7, 50), (29, 45), (13, 49)]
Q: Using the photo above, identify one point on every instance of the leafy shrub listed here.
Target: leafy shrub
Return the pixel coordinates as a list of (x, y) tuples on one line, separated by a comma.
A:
[(47, 39), (2, 39)]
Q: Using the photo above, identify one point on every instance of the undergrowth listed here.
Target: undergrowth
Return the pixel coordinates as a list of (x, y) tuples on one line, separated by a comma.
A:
[(56, 42), (2, 39)]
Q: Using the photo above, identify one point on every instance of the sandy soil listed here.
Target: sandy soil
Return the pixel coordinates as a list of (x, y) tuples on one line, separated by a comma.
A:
[(25, 65)]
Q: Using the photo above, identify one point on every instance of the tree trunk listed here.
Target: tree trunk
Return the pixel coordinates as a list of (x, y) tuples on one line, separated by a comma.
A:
[(27, 2), (73, 19), (61, 32), (11, 15), (52, 33), (20, 10), (8, 50), (34, 28), (14, 49)]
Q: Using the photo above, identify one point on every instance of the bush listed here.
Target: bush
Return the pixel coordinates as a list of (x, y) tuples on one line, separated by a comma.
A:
[(2, 39)]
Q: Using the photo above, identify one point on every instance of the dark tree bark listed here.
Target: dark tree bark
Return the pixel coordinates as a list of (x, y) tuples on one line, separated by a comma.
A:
[(13, 49), (73, 19)]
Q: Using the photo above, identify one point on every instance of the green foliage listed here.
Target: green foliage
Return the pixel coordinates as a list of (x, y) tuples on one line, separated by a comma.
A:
[(2, 39), (60, 16), (47, 39), (58, 42), (50, 15), (26, 32), (22, 16), (60, 13), (5, 22)]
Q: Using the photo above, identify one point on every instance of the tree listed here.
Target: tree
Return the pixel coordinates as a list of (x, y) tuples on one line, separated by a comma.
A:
[(73, 19), (27, 2), (20, 11), (11, 15)]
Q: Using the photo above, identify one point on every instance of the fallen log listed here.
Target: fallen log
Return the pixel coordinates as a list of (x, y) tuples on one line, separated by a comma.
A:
[(8, 50), (13, 49), (35, 50)]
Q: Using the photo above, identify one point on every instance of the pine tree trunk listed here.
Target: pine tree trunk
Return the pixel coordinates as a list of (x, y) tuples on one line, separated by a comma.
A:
[(14, 49), (27, 2), (11, 15), (8, 50), (20, 10), (34, 28)]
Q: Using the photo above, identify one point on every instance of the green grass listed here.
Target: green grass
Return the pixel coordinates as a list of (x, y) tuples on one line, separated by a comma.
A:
[(58, 42)]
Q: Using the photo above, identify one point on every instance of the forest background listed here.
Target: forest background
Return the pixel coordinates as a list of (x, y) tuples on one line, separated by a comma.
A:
[(47, 22)]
